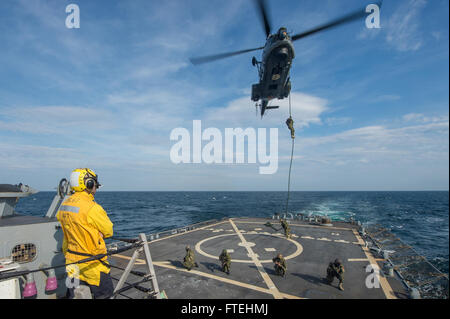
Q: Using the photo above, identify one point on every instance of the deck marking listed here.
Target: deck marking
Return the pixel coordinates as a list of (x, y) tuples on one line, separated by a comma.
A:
[(387, 289), (186, 232), (247, 244), (270, 249), (274, 291), (307, 237), (341, 241), (198, 248), (166, 264), (358, 259), (138, 261), (324, 239)]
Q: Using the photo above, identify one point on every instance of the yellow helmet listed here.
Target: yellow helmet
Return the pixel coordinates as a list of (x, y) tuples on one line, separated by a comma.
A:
[(83, 178)]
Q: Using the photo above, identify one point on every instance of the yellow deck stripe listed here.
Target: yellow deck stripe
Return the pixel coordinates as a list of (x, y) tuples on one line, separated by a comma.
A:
[(165, 264), (365, 259), (137, 262), (276, 294), (186, 232), (297, 252), (387, 289), (226, 280)]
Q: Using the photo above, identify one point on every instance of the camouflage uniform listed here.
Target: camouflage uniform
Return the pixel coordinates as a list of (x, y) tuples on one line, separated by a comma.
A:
[(226, 261), (336, 269), (290, 125), (286, 227), (189, 259), (280, 265)]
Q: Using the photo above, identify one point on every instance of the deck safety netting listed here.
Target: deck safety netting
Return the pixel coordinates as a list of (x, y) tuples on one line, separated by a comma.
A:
[(413, 268)]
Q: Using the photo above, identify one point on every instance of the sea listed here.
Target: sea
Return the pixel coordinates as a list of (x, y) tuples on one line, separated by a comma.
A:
[(419, 219)]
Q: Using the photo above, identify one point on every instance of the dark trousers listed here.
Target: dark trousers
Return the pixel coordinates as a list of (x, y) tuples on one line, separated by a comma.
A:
[(102, 291)]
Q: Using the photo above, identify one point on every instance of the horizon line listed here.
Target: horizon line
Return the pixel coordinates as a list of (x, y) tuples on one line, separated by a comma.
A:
[(278, 191)]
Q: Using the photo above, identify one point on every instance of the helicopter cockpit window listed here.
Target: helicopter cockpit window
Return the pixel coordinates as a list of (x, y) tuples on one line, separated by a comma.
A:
[(282, 34)]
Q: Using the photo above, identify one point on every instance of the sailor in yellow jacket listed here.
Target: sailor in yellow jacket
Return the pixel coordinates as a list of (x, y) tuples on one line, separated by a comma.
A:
[(85, 224)]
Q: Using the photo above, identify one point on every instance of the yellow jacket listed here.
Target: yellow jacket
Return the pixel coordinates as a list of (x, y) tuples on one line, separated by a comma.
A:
[(85, 224)]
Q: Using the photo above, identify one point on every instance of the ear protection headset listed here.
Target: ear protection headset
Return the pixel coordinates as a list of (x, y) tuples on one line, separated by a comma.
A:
[(90, 181)]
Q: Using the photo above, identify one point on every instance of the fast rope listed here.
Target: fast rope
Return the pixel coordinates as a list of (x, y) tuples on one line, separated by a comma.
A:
[(290, 124)]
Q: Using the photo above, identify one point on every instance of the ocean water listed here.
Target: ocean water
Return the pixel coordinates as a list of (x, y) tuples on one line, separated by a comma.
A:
[(419, 219)]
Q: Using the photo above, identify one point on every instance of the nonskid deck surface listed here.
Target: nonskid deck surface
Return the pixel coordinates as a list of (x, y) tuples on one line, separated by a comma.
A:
[(252, 245)]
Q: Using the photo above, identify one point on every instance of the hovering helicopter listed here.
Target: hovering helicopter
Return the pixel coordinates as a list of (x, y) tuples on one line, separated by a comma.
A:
[(277, 56)]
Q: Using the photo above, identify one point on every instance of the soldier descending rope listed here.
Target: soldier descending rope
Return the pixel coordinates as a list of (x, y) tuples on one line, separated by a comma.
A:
[(286, 227)]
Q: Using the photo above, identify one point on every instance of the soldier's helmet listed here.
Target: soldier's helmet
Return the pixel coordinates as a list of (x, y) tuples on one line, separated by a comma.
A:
[(224, 251), (279, 255), (338, 261), (188, 247)]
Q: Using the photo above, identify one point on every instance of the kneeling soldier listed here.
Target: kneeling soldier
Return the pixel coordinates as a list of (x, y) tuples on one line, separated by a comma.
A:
[(336, 269), (189, 259), (280, 265), (226, 261)]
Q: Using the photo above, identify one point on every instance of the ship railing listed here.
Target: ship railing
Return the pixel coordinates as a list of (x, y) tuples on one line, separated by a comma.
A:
[(418, 275), (170, 232), (137, 245)]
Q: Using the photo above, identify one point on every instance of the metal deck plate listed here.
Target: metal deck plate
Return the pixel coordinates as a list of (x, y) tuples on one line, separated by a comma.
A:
[(253, 245)]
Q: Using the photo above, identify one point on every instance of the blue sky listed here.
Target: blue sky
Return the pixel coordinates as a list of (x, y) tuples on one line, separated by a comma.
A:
[(370, 106)]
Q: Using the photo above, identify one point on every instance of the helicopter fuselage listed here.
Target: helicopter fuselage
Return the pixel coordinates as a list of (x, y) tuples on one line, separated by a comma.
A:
[(274, 70)]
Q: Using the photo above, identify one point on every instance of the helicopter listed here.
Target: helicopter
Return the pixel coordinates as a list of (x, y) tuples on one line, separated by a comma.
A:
[(277, 56)]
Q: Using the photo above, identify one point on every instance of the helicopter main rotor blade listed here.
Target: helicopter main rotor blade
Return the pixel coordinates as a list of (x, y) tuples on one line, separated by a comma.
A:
[(263, 15), (210, 58), (345, 19)]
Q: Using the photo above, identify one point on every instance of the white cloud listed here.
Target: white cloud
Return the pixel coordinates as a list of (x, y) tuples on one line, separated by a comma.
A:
[(381, 145), (72, 120), (332, 121), (436, 35), (157, 71), (306, 110), (385, 98), (418, 117), (19, 156), (403, 27)]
